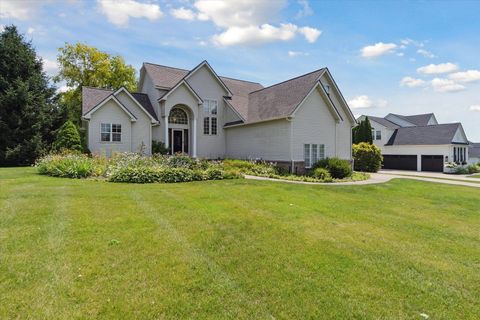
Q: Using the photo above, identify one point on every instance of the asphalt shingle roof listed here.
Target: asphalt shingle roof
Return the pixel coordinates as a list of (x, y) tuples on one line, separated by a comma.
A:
[(281, 99), (417, 119), (474, 150), (91, 97), (424, 135), (250, 99), (384, 122)]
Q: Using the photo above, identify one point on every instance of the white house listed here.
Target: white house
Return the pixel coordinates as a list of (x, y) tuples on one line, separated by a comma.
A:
[(196, 112), (474, 153), (418, 142)]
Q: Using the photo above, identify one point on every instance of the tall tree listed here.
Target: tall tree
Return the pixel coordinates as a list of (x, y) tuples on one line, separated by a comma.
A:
[(363, 132), (29, 114), (83, 65)]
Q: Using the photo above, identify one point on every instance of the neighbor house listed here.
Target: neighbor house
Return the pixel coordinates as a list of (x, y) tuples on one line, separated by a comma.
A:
[(418, 142), (474, 153), (197, 112)]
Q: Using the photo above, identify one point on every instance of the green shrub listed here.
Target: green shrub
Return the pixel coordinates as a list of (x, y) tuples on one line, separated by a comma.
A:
[(66, 165), (158, 147), (367, 157), (67, 138), (338, 168), (473, 168), (256, 168), (321, 173), (461, 170), (214, 174), (180, 161)]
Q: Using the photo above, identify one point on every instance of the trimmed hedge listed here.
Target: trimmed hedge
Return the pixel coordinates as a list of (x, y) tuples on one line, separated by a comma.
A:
[(338, 168), (367, 157)]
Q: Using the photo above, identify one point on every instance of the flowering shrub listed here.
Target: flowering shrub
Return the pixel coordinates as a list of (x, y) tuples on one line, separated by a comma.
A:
[(134, 168), (68, 165)]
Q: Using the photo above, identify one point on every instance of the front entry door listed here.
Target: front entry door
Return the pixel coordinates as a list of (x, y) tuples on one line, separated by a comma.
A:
[(177, 141)]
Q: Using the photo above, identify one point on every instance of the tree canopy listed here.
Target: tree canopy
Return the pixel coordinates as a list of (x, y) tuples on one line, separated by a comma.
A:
[(83, 65), (28, 111)]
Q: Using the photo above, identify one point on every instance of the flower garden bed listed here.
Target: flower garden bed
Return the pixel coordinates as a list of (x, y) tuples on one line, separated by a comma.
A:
[(135, 168)]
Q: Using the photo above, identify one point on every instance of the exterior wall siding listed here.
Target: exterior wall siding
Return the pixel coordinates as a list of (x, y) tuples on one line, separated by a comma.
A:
[(313, 124), (109, 113), (141, 130), (207, 87), (266, 140)]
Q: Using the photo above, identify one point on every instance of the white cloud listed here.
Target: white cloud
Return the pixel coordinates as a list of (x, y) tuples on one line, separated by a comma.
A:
[(412, 82), (50, 66), (465, 76), (474, 108), (30, 30), (306, 10), (364, 102), (438, 68), (120, 11), (446, 85), (2, 27), (21, 10), (247, 22), (425, 53), (254, 35), (378, 49), (63, 88), (183, 14), (297, 53), (311, 34)]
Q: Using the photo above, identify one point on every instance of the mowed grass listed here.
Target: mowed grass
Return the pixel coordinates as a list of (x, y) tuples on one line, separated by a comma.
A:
[(236, 249)]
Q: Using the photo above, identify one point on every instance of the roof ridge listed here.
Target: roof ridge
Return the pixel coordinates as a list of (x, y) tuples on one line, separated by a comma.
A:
[(433, 125), (241, 80), (162, 65), (96, 88), (276, 84), (165, 66)]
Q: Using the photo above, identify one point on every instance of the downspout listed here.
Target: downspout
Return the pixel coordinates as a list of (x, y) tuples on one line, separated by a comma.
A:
[(292, 168)]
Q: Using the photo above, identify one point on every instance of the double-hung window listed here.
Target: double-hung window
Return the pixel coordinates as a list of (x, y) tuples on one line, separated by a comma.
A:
[(378, 135), (312, 153), (210, 108), (110, 132)]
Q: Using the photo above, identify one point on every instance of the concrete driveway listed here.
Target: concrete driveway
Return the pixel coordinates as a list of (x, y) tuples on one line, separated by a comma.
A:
[(425, 174)]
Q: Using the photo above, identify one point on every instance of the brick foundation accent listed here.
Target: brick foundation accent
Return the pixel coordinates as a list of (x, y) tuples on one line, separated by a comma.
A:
[(298, 166)]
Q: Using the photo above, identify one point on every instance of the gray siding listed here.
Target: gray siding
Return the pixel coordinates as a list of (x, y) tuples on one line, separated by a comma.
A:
[(266, 140)]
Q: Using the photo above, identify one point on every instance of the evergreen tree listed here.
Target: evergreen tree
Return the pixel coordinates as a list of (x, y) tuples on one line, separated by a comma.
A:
[(28, 110), (362, 132), (67, 138)]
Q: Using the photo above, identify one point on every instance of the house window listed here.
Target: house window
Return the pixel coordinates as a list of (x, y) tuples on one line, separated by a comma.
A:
[(378, 135), (373, 134), (306, 155), (206, 125), (110, 132), (210, 109), (312, 153), (178, 116)]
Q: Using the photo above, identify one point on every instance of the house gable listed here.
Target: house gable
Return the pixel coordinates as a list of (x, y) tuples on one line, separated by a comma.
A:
[(460, 136), (337, 97), (399, 121), (118, 103), (328, 103), (198, 72)]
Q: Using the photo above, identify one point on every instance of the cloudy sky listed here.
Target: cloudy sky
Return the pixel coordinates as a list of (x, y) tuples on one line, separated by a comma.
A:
[(400, 57)]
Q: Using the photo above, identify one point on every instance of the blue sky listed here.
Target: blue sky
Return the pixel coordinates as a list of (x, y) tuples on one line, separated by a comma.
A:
[(401, 57)]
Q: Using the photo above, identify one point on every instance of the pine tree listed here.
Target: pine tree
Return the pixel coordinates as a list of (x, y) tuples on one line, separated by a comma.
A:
[(28, 110), (68, 138), (362, 132)]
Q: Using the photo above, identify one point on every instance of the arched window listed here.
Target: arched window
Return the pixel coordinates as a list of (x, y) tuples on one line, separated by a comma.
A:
[(178, 116)]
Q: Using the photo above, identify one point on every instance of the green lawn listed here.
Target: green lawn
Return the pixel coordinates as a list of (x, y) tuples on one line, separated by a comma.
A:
[(237, 249)]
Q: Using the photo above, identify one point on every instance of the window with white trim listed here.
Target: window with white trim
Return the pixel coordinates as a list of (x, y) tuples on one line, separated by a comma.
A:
[(312, 153), (110, 132), (378, 135), (210, 108)]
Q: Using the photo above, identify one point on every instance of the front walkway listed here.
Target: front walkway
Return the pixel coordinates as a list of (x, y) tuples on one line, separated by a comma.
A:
[(375, 178)]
